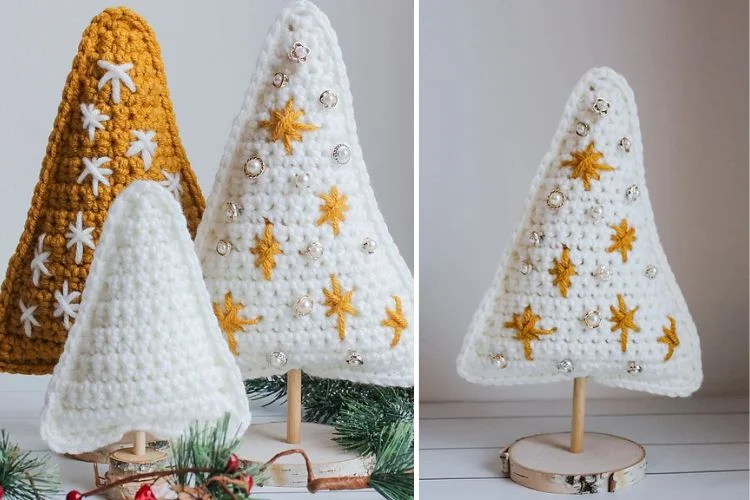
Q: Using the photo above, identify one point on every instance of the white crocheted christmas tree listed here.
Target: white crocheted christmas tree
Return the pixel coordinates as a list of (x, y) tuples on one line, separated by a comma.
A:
[(146, 352), (299, 263), (584, 288)]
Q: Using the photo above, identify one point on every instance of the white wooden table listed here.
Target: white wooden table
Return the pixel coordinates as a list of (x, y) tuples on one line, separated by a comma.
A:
[(697, 449)]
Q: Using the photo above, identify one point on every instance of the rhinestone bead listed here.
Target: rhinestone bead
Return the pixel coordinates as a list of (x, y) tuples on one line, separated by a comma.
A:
[(582, 129), (603, 273), (354, 359), (634, 367), (632, 193), (651, 271), (342, 154), (329, 99), (280, 80), (601, 106), (592, 319), (536, 238), (499, 360), (596, 212), (625, 144), (565, 366), (313, 251), (254, 167), (277, 359), (298, 53), (232, 209), (302, 180), (303, 306), (555, 199), (223, 247), (525, 268), (369, 246)]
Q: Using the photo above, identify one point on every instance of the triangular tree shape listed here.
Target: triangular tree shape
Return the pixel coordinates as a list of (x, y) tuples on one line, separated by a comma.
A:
[(115, 124), (584, 288), (299, 263), (146, 352)]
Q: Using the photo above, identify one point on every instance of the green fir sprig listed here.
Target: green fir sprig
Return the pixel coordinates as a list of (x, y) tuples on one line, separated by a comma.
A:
[(393, 475), (23, 476)]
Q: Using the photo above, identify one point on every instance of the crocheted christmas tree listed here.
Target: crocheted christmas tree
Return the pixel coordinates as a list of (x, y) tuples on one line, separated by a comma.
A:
[(115, 124), (145, 352), (301, 268), (584, 288)]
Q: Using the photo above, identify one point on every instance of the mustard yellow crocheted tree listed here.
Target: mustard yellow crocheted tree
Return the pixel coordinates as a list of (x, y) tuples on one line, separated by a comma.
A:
[(115, 124)]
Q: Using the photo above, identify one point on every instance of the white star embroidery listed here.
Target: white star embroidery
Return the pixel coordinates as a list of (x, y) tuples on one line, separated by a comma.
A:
[(143, 145), (79, 236), (93, 167), (27, 317), (172, 183), (92, 119), (37, 263), (116, 73), (65, 306)]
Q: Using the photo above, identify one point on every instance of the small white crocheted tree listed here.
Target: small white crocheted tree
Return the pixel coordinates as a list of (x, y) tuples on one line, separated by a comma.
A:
[(585, 289), (299, 263), (146, 353)]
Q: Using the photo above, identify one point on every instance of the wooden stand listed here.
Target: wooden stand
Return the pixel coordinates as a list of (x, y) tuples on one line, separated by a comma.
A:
[(294, 406), (136, 460), (101, 456), (559, 463)]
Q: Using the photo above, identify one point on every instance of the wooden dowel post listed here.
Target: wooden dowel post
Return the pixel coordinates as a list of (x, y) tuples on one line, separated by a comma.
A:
[(294, 406), (139, 443), (579, 410)]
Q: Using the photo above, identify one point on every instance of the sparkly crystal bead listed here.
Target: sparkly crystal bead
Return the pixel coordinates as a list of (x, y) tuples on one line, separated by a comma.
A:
[(354, 359), (302, 180), (232, 209), (625, 144), (603, 273), (369, 246), (342, 154), (592, 319), (525, 268), (596, 212), (499, 361), (565, 366), (223, 247), (313, 251), (536, 238), (582, 129), (601, 106), (632, 193), (634, 367), (298, 53), (651, 271), (280, 80), (303, 306), (329, 99), (277, 359), (555, 199), (254, 167)]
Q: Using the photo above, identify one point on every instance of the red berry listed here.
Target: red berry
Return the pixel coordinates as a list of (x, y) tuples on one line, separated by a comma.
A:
[(2, 491), (250, 483), (233, 464), (73, 495), (145, 493)]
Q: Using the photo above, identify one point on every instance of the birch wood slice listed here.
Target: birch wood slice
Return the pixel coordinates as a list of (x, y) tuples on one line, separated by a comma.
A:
[(263, 441), (544, 463)]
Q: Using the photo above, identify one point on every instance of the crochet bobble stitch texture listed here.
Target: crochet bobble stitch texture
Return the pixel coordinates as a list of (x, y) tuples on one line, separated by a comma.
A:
[(304, 197), (146, 348), (533, 316), (115, 124)]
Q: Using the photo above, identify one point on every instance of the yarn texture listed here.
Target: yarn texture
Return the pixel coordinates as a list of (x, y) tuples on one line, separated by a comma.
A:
[(584, 287), (115, 124), (301, 268), (145, 352)]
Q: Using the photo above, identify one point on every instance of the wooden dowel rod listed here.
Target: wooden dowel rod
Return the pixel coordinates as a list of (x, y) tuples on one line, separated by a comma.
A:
[(579, 410), (294, 406), (139, 443)]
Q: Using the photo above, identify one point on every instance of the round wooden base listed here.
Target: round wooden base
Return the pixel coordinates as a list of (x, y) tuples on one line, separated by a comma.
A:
[(263, 441), (125, 462), (101, 456), (543, 462)]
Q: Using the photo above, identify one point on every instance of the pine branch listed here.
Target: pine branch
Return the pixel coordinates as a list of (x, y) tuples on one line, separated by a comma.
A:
[(393, 475), (24, 477)]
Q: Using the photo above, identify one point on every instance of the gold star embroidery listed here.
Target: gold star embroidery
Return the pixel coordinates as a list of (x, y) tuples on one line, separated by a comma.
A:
[(670, 338), (265, 250), (585, 165), (396, 320), (231, 322), (526, 330), (623, 320), (285, 127), (622, 240), (562, 270), (333, 209), (339, 304)]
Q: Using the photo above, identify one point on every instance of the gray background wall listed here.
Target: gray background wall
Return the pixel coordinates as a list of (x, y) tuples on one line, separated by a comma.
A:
[(494, 78), (209, 51)]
